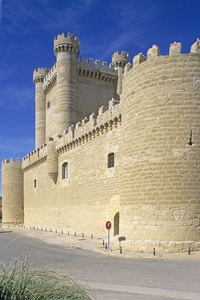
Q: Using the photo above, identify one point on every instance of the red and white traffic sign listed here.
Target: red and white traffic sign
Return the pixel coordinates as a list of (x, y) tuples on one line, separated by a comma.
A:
[(108, 225)]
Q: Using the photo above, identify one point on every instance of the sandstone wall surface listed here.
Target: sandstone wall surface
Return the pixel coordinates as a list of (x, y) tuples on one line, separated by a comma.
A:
[(12, 192), (160, 186), (85, 200)]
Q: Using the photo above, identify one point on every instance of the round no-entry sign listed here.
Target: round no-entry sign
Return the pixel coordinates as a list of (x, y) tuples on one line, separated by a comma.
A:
[(108, 225)]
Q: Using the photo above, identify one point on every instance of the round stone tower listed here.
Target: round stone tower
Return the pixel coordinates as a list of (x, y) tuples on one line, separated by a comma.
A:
[(160, 191), (12, 192), (40, 107), (66, 50), (119, 62)]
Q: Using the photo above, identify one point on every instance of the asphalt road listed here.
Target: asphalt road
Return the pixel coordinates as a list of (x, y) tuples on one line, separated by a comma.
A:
[(110, 277)]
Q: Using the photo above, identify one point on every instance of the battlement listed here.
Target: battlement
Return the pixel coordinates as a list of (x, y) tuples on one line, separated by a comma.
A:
[(97, 65), (35, 156), (91, 126), (94, 125), (117, 57), (39, 74), (50, 78), (154, 51), (6, 161), (97, 71), (67, 43), (195, 48)]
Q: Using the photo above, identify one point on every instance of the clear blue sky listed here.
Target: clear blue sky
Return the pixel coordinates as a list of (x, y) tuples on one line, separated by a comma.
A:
[(27, 30)]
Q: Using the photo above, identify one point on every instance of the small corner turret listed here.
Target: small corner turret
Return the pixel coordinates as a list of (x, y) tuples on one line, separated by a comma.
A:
[(39, 75), (119, 61)]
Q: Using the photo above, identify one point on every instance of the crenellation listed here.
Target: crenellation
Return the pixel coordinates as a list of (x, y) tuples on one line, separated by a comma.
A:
[(127, 68), (50, 74), (104, 65), (39, 75), (83, 60), (67, 44), (175, 48), (90, 61), (195, 48), (120, 58), (138, 59), (84, 121), (79, 124), (112, 103), (97, 63), (5, 161), (102, 109), (93, 119), (152, 52)]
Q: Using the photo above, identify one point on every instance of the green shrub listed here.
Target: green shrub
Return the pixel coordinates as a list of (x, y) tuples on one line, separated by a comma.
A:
[(20, 282)]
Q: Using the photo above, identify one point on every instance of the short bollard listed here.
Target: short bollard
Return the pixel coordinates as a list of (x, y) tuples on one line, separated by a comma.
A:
[(154, 251), (45, 229), (91, 236), (55, 230), (103, 242), (74, 233), (50, 229), (120, 249), (106, 246), (68, 232), (61, 231), (189, 251), (82, 234)]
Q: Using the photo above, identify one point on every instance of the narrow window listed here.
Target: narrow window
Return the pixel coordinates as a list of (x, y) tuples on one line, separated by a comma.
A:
[(111, 160), (65, 170), (48, 104), (34, 183)]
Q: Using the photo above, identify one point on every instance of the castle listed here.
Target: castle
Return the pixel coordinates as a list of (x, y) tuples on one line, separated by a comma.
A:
[(118, 143)]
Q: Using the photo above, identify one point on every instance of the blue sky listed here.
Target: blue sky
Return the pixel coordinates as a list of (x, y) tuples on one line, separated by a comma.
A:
[(27, 30)]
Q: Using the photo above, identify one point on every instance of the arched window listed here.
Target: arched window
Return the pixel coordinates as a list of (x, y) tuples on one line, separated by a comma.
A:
[(65, 170), (111, 160)]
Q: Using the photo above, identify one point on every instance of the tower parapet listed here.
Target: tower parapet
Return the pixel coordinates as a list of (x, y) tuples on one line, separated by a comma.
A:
[(120, 59), (119, 62), (39, 75), (67, 43)]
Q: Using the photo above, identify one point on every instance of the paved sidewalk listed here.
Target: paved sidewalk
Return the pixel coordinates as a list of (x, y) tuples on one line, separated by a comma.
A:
[(93, 244)]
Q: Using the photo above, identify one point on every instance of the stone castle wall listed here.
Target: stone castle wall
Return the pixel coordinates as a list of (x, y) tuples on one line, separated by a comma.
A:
[(90, 195), (151, 195)]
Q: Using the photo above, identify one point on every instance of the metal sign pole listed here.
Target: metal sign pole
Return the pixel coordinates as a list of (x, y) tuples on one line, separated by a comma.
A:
[(108, 239), (108, 227)]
